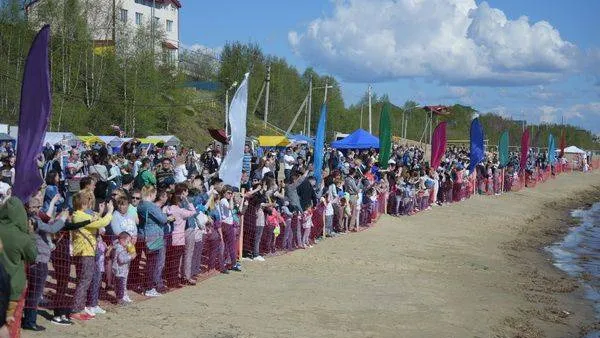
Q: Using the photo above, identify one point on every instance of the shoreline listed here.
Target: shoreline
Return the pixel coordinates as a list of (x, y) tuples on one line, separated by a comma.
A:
[(474, 269), (557, 304)]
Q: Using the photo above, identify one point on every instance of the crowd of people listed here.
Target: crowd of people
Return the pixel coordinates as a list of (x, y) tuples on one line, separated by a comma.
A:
[(146, 220)]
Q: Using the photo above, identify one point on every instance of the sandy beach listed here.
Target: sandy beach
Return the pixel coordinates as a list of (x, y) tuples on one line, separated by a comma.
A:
[(474, 269)]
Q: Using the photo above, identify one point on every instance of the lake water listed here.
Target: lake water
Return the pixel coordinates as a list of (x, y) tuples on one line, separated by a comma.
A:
[(578, 254)]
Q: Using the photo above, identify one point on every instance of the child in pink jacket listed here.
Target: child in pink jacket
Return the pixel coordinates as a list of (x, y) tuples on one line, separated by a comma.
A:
[(174, 260)]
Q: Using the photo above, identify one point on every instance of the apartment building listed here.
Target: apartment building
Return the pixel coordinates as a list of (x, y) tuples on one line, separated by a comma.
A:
[(104, 16), (161, 15)]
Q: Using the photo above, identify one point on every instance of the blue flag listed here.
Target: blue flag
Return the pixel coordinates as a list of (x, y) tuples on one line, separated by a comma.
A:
[(551, 150), (36, 108), (320, 144), (477, 147)]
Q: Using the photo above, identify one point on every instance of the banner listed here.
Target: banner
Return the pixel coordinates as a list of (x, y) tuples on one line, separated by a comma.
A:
[(551, 150), (385, 136), (320, 144), (503, 154), (231, 168), (36, 109), (563, 143), (477, 147), (438, 145), (524, 149)]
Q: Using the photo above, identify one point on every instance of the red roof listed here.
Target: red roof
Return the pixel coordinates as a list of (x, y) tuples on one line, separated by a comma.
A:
[(177, 3), (169, 45), (438, 110)]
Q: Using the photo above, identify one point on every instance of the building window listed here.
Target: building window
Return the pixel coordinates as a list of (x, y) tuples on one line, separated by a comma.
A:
[(123, 15), (147, 3), (169, 26), (156, 22), (138, 18)]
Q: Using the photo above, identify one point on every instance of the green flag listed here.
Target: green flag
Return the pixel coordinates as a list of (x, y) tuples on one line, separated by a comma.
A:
[(385, 136), (503, 149)]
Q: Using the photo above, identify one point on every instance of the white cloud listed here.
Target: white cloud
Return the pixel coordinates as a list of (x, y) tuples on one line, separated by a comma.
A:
[(548, 114), (197, 47), (500, 110), (583, 110), (458, 91), (453, 41)]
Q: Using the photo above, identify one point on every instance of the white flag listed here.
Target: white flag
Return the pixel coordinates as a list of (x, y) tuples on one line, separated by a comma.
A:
[(231, 168)]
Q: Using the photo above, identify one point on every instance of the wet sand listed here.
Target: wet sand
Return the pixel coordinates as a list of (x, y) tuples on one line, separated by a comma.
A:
[(474, 269)]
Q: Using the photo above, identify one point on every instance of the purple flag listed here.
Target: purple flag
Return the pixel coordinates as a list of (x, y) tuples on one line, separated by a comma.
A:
[(524, 149), (438, 145), (36, 108)]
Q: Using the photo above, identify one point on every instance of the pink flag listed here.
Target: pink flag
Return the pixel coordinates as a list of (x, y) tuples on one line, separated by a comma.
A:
[(524, 149), (438, 145)]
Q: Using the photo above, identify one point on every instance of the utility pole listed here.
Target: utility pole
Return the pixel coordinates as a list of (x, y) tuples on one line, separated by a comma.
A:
[(233, 85), (227, 112), (305, 119), (309, 105), (268, 80), (152, 28), (370, 124), (406, 122), (402, 124), (361, 113), (325, 97)]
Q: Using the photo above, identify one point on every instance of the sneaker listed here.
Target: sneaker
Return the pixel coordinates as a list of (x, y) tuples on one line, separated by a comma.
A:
[(237, 267), (33, 327), (60, 321), (127, 299), (162, 289), (83, 316), (97, 310), (89, 311), (66, 320), (152, 293), (259, 258)]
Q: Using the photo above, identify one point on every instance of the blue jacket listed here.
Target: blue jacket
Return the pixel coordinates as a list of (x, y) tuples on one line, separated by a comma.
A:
[(152, 220)]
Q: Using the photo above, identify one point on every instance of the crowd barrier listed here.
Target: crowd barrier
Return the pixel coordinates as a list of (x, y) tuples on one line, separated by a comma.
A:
[(212, 251)]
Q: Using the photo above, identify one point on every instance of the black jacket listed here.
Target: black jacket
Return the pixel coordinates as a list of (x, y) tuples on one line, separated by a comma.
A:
[(308, 197)]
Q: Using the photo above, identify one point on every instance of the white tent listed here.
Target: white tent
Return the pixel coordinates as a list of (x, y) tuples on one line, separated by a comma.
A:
[(118, 142), (168, 140), (108, 139), (61, 138), (574, 150)]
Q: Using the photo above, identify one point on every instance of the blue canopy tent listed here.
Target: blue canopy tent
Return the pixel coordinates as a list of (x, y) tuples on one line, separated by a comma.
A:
[(299, 138), (359, 139)]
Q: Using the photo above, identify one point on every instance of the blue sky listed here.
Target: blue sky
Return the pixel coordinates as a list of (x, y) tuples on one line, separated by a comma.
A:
[(534, 59)]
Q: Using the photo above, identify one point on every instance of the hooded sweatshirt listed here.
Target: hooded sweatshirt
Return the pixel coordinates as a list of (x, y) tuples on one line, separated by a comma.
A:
[(19, 245)]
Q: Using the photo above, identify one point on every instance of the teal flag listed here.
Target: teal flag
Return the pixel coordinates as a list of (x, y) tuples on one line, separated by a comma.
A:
[(385, 136), (503, 150), (551, 150)]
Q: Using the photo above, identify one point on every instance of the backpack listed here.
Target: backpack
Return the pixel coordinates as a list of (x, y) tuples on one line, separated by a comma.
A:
[(138, 183), (47, 168)]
